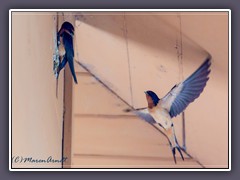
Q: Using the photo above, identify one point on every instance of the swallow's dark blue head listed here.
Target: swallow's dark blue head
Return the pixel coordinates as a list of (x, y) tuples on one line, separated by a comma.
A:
[(153, 96), (68, 26)]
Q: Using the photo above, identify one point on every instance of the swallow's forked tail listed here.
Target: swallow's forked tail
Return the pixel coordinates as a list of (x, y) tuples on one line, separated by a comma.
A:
[(174, 152), (174, 143), (71, 65)]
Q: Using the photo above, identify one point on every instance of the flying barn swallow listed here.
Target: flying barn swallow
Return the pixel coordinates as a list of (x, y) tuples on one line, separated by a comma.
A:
[(66, 50), (161, 111)]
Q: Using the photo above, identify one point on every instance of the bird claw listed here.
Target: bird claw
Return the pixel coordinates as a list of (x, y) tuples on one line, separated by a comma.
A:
[(174, 153)]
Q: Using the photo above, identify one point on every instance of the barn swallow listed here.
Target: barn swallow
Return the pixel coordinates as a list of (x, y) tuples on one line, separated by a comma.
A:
[(161, 111), (66, 51)]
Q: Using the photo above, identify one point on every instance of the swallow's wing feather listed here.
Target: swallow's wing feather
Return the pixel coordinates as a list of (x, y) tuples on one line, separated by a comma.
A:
[(181, 95), (68, 44), (144, 115)]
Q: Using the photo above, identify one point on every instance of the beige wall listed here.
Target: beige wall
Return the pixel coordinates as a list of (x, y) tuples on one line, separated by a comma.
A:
[(130, 53), (36, 112), (103, 136), (207, 118), (142, 52)]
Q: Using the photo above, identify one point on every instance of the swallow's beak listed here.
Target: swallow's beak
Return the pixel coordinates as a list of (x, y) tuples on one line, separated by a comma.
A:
[(146, 92)]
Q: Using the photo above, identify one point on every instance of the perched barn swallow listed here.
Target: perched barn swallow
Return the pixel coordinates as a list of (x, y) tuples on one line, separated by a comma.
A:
[(161, 111), (66, 51)]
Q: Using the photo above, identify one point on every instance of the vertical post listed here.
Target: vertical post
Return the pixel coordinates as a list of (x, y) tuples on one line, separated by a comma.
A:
[(128, 57), (67, 101), (180, 64), (67, 120)]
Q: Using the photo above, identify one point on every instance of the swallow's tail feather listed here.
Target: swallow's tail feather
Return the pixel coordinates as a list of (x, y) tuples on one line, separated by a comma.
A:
[(173, 143), (174, 151), (71, 65)]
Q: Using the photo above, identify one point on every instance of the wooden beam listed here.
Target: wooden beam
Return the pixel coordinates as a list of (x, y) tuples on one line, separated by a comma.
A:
[(67, 120)]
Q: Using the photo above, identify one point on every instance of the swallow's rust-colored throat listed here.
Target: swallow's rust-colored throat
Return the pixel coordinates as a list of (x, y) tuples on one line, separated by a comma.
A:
[(150, 101)]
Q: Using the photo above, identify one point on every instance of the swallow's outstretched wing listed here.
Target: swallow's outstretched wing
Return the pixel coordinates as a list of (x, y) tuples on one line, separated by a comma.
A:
[(144, 115), (182, 94)]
